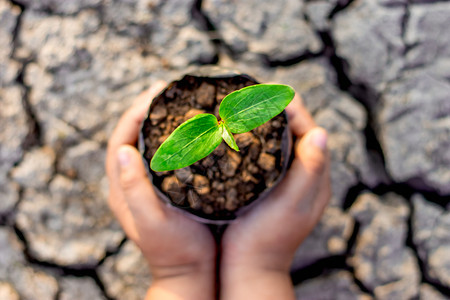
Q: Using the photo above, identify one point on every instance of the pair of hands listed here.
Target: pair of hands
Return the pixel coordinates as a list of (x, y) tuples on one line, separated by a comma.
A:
[(256, 249)]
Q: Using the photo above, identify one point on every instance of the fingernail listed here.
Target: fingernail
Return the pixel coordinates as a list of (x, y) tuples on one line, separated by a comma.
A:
[(319, 138), (124, 157)]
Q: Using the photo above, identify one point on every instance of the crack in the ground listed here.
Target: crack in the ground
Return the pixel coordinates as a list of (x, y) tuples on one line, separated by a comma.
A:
[(11, 214), (7, 217), (319, 268), (293, 59), (404, 27), (365, 96), (402, 189), (329, 264), (221, 47), (405, 20), (113, 252), (352, 194), (33, 137), (405, 191), (350, 248), (18, 24), (87, 271), (427, 2), (204, 23), (368, 98), (49, 10), (422, 266), (341, 5), (290, 61), (362, 93)]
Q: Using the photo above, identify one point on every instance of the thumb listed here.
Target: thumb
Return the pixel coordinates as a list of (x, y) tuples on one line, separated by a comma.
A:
[(311, 151), (136, 187), (301, 183)]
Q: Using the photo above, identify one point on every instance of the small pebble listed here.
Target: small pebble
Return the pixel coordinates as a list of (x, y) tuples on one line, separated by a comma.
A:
[(201, 184), (221, 150), (217, 185), (157, 114), (271, 146), (229, 163), (266, 161), (192, 113), (208, 209), (247, 177), (173, 188), (205, 95), (254, 149), (231, 194), (244, 139), (184, 175), (194, 200)]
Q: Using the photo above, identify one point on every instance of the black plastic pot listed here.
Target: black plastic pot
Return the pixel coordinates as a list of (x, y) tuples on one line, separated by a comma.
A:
[(212, 75)]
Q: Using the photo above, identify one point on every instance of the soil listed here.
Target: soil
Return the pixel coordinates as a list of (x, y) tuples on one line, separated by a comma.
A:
[(223, 182)]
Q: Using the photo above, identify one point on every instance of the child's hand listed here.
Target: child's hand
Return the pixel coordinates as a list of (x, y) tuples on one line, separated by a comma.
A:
[(181, 252), (259, 246)]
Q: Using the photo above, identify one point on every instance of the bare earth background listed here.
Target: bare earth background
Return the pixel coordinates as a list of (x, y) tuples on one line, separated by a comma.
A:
[(375, 73)]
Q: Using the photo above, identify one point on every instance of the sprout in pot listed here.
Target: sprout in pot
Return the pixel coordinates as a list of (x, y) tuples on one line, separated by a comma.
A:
[(181, 143), (240, 112)]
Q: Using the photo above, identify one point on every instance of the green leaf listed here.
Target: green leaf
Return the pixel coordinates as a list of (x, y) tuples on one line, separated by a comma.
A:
[(188, 143), (228, 137), (252, 106)]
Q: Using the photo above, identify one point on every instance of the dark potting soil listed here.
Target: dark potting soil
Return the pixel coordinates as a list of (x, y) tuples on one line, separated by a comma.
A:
[(218, 185)]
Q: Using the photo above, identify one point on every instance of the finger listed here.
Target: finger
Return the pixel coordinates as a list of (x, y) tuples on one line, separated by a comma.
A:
[(127, 129), (120, 209), (146, 97), (322, 199), (126, 133), (312, 151), (294, 207), (292, 204), (300, 120), (136, 187), (300, 185), (324, 192)]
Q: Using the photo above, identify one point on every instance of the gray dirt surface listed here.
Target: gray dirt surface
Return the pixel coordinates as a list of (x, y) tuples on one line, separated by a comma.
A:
[(374, 73)]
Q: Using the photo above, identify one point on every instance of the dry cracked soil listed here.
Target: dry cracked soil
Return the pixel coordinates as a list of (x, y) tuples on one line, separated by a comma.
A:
[(374, 73)]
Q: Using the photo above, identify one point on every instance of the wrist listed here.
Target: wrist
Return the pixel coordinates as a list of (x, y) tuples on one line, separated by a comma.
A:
[(238, 282), (263, 260), (193, 281), (181, 271)]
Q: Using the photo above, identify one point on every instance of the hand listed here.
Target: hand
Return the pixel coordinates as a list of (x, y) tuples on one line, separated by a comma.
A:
[(258, 248), (181, 253)]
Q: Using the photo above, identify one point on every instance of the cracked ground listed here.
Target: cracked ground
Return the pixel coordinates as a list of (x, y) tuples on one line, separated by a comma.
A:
[(374, 73)]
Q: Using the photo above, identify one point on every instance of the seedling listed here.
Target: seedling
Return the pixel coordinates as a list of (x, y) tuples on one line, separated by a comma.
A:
[(240, 111)]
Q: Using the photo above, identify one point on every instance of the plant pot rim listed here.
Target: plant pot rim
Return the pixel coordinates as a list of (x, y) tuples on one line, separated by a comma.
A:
[(214, 72)]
